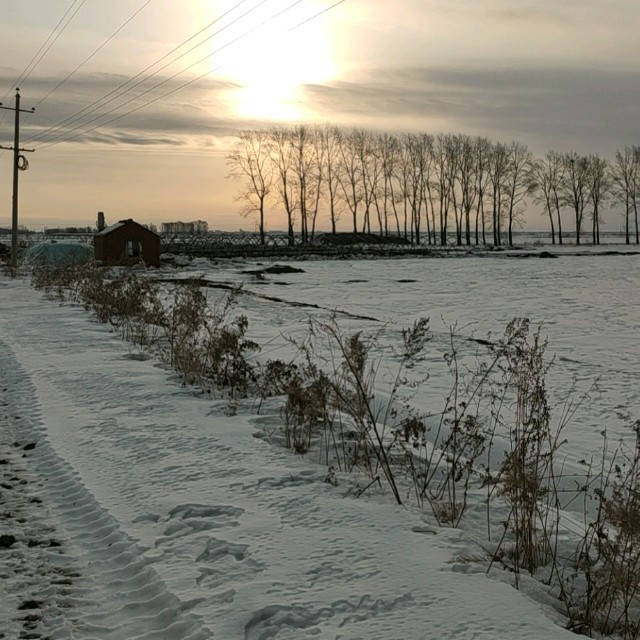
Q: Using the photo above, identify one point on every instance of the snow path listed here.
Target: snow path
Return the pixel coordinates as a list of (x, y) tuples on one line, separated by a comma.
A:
[(184, 525)]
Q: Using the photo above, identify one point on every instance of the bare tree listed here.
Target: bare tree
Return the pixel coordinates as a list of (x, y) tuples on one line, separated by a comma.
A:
[(419, 156), (482, 154), (404, 170), (599, 189), (350, 173), (426, 184), (546, 178), (625, 176), (416, 179), (316, 180), (388, 151), (517, 182), (576, 186), (282, 157), (308, 176), (249, 163), (498, 167), (371, 177), (453, 156), (330, 140), (299, 138), (467, 167), (443, 182)]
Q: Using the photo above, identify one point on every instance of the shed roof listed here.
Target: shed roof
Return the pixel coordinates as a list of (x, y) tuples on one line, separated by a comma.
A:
[(110, 228), (122, 223)]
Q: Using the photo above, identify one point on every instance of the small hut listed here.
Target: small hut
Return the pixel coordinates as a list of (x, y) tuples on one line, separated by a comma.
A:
[(125, 243)]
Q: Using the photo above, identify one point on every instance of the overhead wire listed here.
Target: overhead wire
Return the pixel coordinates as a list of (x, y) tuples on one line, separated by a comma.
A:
[(54, 142), (87, 59), (40, 54), (94, 52), (62, 139), (62, 135), (317, 15), (45, 48), (107, 98)]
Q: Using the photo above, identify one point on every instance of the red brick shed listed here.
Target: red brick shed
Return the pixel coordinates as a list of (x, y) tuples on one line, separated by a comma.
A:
[(125, 243)]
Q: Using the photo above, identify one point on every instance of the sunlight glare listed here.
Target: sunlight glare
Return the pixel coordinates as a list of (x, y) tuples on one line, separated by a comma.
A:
[(272, 63)]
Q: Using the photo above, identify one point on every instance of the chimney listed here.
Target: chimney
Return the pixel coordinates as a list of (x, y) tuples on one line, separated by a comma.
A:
[(100, 223)]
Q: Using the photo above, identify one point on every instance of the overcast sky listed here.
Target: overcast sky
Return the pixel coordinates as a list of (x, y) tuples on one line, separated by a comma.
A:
[(560, 75)]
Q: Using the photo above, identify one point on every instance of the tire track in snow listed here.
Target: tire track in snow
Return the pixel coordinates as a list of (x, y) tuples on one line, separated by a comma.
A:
[(123, 595), (39, 576)]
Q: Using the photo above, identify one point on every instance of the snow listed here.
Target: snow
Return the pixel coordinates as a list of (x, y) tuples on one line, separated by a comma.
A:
[(178, 519), (587, 306), (112, 227)]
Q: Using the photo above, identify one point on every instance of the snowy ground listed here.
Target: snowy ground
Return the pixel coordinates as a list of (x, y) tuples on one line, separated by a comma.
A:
[(175, 521), (587, 306)]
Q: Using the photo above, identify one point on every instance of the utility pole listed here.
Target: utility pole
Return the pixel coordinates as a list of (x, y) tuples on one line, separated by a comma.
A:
[(19, 164)]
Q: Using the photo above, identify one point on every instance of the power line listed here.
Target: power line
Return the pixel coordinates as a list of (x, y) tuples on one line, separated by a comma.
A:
[(111, 37), (107, 99), (189, 82), (35, 55), (317, 15), (56, 141), (95, 51), (42, 51), (45, 48)]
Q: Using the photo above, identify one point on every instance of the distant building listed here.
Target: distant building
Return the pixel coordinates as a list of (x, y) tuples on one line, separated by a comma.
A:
[(196, 226), (126, 243)]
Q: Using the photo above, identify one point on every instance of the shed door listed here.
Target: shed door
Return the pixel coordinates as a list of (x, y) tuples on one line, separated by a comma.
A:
[(133, 248)]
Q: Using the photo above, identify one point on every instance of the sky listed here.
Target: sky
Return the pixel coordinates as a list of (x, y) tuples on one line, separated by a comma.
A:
[(554, 75)]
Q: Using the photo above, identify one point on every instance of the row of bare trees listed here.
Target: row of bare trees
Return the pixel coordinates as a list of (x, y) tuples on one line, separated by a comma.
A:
[(425, 188)]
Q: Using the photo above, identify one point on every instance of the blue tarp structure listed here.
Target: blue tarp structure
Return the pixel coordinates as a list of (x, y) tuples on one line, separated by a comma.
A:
[(57, 253)]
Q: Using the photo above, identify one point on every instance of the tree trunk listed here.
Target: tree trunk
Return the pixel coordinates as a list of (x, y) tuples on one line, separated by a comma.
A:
[(484, 227), (262, 221), (290, 235), (559, 224), (627, 239), (510, 228)]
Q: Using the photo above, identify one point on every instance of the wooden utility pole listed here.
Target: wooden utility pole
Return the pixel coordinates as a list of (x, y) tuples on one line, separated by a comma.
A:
[(19, 164)]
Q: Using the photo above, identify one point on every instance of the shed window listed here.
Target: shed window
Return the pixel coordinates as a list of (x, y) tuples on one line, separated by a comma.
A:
[(133, 249)]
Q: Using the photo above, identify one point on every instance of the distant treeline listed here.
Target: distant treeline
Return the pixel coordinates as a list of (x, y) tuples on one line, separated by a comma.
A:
[(63, 230), (425, 187)]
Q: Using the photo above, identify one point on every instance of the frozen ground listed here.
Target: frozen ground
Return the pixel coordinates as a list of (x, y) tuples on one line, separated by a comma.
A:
[(587, 306), (176, 522)]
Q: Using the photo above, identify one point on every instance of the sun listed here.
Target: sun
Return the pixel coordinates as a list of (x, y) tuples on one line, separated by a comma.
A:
[(270, 58)]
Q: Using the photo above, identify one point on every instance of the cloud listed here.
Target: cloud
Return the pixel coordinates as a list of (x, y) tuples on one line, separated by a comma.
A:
[(98, 109), (95, 109), (546, 107), (584, 108)]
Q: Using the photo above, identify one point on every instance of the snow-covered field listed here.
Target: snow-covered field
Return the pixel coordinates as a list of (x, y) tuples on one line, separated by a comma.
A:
[(587, 306), (174, 521)]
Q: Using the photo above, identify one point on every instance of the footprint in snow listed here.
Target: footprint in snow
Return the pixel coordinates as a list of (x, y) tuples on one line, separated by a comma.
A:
[(226, 562), (186, 519)]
